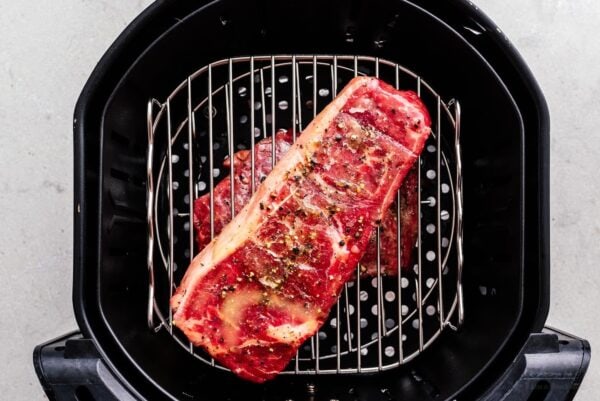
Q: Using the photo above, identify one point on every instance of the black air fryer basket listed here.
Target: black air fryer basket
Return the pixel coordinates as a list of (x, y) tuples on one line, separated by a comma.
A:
[(467, 323)]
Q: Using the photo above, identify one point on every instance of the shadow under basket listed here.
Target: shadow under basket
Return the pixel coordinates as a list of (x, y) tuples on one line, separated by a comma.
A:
[(466, 322)]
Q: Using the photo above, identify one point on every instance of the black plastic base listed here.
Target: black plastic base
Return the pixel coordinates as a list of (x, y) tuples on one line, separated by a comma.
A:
[(70, 369), (549, 368)]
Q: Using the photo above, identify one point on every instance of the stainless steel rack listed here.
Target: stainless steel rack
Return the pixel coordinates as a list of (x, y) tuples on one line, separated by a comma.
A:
[(377, 324)]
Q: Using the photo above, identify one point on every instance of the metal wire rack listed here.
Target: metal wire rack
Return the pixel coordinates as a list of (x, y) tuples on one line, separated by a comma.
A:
[(228, 105)]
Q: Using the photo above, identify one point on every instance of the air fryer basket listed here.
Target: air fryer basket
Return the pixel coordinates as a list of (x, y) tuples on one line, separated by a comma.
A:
[(505, 169)]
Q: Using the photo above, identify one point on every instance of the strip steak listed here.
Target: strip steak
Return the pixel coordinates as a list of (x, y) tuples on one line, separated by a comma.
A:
[(267, 282)]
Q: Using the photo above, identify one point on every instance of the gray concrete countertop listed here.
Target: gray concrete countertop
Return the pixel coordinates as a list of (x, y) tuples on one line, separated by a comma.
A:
[(47, 51)]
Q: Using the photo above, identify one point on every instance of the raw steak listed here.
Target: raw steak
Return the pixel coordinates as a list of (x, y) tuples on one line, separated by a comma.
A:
[(388, 233), (262, 166), (267, 282)]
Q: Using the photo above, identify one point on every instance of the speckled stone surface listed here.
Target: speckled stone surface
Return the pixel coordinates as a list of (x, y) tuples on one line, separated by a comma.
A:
[(46, 54)]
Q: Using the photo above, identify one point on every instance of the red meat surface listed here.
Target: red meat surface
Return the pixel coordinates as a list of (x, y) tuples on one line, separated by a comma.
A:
[(242, 162), (266, 284)]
